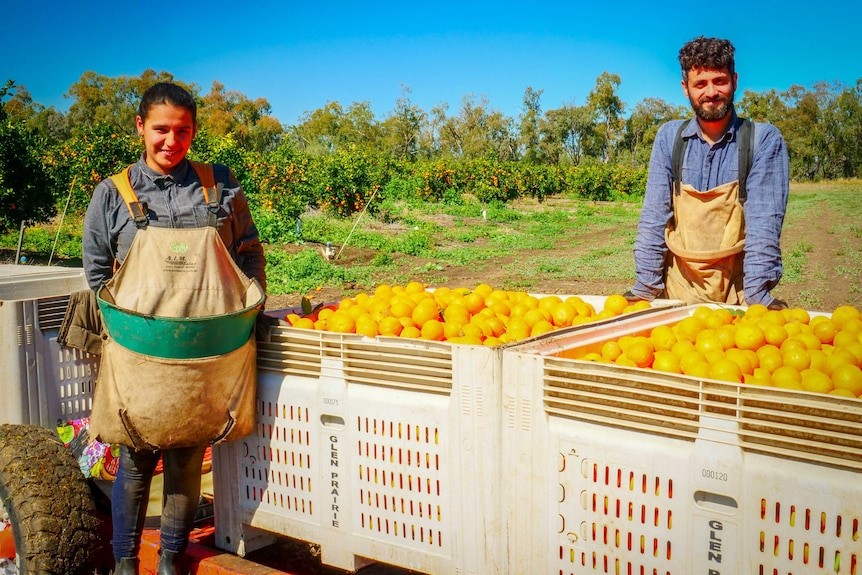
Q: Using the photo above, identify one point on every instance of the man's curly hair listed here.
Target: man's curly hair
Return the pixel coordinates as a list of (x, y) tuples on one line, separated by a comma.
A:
[(710, 53)]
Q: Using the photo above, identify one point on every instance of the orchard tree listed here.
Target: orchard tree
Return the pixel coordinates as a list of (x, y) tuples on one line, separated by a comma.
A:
[(643, 124), (44, 122), (608, 108), (101, 100), (229, 112), (402, 130), (531, 115), (566, 134), (476, 132), (26, 188)]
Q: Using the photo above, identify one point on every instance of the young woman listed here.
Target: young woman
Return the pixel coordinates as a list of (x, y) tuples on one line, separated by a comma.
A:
[(170, 195)]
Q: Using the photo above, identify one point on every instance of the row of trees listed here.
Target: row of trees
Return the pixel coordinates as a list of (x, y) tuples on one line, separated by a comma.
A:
[(338, 156)]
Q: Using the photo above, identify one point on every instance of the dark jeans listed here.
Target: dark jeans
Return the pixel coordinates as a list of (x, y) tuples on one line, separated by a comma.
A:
[(131, 492)]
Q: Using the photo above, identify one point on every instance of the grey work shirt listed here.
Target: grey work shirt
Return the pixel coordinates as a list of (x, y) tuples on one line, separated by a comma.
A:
[(175, 200)]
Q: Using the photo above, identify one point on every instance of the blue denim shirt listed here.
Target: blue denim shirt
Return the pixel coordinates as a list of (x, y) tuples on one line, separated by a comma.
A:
[(706, 166)]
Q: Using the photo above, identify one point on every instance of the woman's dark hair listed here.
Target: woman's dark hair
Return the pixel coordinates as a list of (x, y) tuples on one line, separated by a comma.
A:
[(710, 53), (167, 93)]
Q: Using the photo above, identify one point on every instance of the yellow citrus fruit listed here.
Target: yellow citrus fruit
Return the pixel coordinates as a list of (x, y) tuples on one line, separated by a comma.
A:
[(414, 287), (775, 316), (615, 304), (662, 337), (304, 323), (625, 361), (389, 325), (689, 327), (611, 350), (749, 336), (844, 313), (562, 314), (689, 359), (787, 377), (816, 381), (366, 326), (849, 377), (492, 341), (796, 358), (756, 310), (707, 341), (739, 357), (664, 360), (433, 330), (425, 310), (411, 332), (540, 327), (533, 316), (641, 351), (769, 357), (341, 322), (773, 333), (680, 348), (725, 370), (719, 317), (727, 336)]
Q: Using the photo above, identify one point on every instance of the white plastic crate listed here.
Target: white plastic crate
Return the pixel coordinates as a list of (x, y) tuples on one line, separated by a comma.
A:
[(623, 470), (43, 382), (379, 450)]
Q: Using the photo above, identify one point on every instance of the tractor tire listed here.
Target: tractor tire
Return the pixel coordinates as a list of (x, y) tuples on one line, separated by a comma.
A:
[(48, 502)]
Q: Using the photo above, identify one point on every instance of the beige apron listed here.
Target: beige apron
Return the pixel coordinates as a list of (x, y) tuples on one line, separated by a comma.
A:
[(149, 402), (705, 243)]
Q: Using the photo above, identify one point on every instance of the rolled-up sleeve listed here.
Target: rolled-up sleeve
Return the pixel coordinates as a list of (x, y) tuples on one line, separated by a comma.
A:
[(768, 190)]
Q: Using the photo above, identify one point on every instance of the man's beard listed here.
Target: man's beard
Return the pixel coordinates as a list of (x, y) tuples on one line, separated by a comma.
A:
[(713, 113)]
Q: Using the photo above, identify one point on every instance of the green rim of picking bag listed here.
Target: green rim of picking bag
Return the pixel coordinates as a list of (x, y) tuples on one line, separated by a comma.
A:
[(179, 338)]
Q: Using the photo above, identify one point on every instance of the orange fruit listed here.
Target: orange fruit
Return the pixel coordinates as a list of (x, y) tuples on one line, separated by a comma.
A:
[(707, 341), (611, 350), (433, 330), (787, 377), (727, 336), (414, 287), (366, 326), (756, 310), (689, 359), (540, 327), (411, 332), (849, 377), (666, 361), (341, 322), (796, 358), (725, 370), (562, 314), (533, 316), (303, 323), (680, 348), (662, 337), (739, 357), (689, 327), (773, 333), (615, 304), (749, 336), (719, 317), (389, 326), (474, 302), (492, 342), (809, 339), (816, 381), (641, 352), (425, 310), (844, 313), (839, 356)]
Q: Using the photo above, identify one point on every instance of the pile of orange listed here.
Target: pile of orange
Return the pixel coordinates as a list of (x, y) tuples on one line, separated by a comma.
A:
[(479, 316), (783, 348)]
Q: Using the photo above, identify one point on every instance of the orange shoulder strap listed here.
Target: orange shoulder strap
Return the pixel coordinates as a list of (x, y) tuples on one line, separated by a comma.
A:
[(124, 186), (207, 178)]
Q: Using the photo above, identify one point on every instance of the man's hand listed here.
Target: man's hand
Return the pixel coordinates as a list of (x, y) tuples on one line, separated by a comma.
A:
[(777, 304)]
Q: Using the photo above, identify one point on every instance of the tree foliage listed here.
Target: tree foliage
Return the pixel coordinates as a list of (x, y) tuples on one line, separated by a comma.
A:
[(339, 156), (26, 186)]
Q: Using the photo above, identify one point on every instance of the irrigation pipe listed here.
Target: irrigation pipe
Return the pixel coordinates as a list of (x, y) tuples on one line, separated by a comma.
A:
[(374, 193), (62, 218)]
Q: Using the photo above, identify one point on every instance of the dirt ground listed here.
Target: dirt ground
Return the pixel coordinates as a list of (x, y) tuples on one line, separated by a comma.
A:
[(818, 288)]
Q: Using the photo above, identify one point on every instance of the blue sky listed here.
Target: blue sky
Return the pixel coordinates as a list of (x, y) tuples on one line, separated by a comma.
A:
[(299, 56)]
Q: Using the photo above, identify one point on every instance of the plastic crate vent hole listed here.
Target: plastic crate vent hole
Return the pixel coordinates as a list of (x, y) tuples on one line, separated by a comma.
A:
[(399, 480), (614, 513), (276, 460), (809, 538)]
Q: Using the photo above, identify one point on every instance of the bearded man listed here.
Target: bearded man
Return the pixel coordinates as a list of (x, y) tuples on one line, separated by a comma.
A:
[(716, 195)]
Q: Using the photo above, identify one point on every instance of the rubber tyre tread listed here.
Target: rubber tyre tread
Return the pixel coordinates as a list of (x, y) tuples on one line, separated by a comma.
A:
[(48, 501)]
